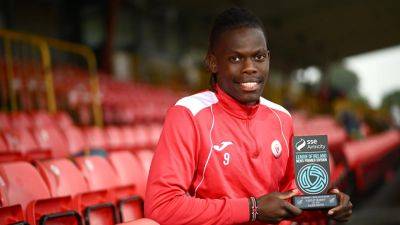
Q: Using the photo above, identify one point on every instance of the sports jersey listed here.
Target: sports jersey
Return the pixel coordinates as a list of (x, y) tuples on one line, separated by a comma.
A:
[(213, 154)]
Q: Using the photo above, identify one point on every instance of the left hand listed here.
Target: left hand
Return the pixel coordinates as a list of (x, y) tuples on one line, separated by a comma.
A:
[(343, 211)]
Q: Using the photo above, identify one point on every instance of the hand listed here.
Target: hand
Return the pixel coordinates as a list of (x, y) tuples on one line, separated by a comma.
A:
[(343, 211), (273, 207)]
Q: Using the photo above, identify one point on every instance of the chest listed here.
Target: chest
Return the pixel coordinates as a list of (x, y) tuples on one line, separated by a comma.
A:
[(243, 153)]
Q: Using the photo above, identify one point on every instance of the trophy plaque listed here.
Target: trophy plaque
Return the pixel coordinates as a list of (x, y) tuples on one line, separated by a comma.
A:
[(311, 160)]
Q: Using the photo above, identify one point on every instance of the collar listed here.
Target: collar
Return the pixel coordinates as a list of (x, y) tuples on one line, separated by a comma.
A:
[(233, 107)]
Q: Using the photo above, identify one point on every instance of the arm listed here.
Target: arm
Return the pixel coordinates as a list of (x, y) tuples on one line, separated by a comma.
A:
[(174, 164)]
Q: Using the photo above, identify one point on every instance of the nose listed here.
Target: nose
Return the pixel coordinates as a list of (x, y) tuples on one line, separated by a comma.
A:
[(249, 67)]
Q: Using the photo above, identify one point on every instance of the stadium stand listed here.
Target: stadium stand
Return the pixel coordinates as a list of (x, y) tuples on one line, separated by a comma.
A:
[(23, 185), (110, 188), (100, 175)]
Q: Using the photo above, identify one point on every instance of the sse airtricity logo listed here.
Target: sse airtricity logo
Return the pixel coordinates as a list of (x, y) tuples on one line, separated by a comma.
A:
[(312, 178), (300, 144)]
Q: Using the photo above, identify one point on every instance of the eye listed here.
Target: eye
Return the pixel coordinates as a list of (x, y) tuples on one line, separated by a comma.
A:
[(260, 57), (235, 59)]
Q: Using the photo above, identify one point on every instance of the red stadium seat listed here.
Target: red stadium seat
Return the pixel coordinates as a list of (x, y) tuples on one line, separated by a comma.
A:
[(3, 145), (114, 136), (58, 211), (20, 120), (12, 215), (98, 172), (42, 119), (145, 156), (5, 154), (95, 138), (22, 141), (51, 138), (128, 137), (23, 185), (100, 175), (64, 178), (63, 119), (5, 122), (75, 138), (130, 173), (154, 133), (142, 136), (129, 170), (371, 157)]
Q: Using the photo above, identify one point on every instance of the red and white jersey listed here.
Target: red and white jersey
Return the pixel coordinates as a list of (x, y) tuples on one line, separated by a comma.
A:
[(213, 154)]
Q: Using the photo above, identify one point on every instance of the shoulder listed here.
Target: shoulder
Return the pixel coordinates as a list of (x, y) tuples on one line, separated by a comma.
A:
[(195, 103), (274, 106)]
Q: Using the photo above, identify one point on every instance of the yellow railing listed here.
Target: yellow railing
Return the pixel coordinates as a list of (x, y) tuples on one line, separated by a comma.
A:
[(44, 45), (90, 58), (11, 36)]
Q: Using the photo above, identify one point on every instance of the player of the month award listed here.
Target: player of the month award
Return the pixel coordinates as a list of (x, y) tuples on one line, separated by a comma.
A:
[(312, 173)]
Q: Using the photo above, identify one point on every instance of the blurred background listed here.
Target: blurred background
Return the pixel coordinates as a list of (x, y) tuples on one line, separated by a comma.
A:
[(84, 78)]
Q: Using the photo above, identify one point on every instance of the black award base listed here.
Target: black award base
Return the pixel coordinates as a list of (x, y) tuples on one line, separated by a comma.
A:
[(310, 202)]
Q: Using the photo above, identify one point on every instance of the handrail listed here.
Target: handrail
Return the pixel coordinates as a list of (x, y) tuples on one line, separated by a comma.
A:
[(10, 36), (90, 57), (44, 45)]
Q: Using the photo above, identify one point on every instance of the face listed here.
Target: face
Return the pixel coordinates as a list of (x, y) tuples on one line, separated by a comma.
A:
[(241, 62)]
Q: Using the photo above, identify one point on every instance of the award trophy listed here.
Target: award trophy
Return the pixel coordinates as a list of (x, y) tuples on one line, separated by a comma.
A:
[(312, 173)]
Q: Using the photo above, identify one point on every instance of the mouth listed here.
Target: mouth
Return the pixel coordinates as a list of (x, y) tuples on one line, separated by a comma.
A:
[(250, 85)]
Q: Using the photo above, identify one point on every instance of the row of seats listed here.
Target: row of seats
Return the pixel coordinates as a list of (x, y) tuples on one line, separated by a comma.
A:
[(122, 102), (370, 159), (44, 138), (93, 189)]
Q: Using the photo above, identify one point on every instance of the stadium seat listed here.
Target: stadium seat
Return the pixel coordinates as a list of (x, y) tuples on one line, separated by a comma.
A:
[(63, 119), (5, 122), (368, 159), (98, 172), (132, 181), (114, 138), (128, 137), (42, 119), (100, 175), (95, 137), (64, 178), (75, 138), (5, 154), (22, 141), (12, 215), (145, 156), (142, 136), (24, 186), (129, 170), (20, 120), (154, 133), (51, 138)]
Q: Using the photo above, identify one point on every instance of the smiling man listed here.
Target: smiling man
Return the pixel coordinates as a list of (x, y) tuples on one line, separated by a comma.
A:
[(224, 155)]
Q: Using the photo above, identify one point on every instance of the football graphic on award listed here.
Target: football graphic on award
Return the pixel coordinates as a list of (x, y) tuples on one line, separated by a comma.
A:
[(311, 160)]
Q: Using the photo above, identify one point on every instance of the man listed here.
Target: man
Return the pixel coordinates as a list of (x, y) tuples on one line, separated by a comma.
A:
[(220, 149)]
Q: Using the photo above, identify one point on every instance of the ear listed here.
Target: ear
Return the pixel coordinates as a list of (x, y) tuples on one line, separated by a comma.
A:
[(211, 63)]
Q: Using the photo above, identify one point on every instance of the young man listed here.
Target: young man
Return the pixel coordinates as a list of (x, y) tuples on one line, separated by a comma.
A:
[(220, 149)]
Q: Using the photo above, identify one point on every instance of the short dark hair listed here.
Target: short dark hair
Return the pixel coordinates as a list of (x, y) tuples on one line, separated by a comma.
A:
[(232, 18)]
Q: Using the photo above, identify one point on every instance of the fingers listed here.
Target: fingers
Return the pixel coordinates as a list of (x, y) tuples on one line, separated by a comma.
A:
[(344, 210), (286, 195), (292, 210)]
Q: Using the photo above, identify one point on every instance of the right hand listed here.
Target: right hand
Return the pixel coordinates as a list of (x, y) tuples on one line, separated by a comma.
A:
[(274, 207)]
